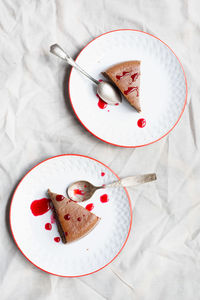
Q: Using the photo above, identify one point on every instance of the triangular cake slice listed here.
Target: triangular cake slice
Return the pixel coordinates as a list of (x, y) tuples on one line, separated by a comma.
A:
[(126, 76), (73, 220)]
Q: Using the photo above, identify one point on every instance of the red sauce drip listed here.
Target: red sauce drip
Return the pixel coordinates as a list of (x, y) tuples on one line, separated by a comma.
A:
[(48, 226), (134, 77), (57, 239), (60, 197), (79, 219), (103, 174), (104, 198), (116, 104), (141, 123), (66, 233), (52, 219), (120, 76), (100, 80), (101, 104), (40, 207), (90, 206), (131, 89), (70, 200), (78, 192), (67, 217)]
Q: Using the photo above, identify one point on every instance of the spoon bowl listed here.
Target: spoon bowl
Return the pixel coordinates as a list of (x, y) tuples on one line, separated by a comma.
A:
[(81, 190), (108, 93)]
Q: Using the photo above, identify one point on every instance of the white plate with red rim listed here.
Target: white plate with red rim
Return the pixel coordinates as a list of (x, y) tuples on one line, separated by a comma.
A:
[(43, 247), (163, 90)]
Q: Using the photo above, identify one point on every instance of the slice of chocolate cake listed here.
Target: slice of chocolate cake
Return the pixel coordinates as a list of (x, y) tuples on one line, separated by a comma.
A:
[(73, 221), (126, 76)]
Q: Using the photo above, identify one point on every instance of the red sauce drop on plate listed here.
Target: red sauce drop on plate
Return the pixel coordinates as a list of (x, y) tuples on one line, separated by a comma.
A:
[(90, 206), (67, 217), (104, 198), (103, 174), (116, 104), (57, 239), (141, 123), (131, 89), (101, 104), (48, 226), (40, 207), (78, 192), (60, 197)]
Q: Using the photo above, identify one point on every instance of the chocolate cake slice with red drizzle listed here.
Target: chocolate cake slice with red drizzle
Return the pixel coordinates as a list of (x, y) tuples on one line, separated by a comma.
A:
[(126, 76), (73, 220)]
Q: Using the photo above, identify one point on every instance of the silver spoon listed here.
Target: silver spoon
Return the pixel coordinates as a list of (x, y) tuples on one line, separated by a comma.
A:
[(83, 190), (108, 92)]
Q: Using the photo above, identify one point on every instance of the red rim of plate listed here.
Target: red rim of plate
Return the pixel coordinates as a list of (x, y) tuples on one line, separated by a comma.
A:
[(130, 206), (180, 113)]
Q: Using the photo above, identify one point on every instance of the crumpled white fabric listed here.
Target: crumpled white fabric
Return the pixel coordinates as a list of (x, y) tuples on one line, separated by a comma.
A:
[(161, 259)]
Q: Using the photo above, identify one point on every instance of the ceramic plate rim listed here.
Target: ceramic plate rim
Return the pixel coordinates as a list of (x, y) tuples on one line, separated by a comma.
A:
[(130, 207), (186, 89)]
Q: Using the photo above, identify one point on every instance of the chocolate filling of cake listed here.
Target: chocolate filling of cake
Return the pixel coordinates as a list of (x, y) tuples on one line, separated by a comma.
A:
[(60, 230)]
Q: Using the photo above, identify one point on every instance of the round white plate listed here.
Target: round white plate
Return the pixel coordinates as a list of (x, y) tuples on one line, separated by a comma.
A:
[(163, 91), (89, 254)]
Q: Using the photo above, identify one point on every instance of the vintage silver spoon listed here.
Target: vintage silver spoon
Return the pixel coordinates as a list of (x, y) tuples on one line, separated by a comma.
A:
[(108, 92), (83, 190)]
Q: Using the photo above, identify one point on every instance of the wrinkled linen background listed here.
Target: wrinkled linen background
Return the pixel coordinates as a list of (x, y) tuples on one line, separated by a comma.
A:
[(161, 257)]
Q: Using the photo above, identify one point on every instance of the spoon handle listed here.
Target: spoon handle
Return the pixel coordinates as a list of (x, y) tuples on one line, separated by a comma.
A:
[(133, 180), (58, 51)]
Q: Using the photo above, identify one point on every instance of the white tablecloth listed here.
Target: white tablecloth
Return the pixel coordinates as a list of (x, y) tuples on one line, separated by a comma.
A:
[(161, 257)]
